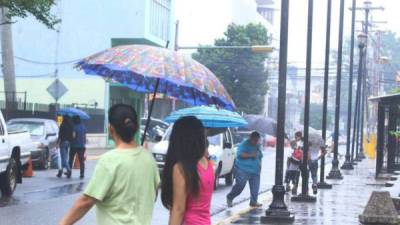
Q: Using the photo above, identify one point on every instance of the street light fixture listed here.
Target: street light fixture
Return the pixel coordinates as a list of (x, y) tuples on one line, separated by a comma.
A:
[(278, 210), (362, 40), (322, 184), (335, 171), (348, 165)]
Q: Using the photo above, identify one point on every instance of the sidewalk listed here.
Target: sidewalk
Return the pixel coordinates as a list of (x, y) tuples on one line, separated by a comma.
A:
[(340, 205)]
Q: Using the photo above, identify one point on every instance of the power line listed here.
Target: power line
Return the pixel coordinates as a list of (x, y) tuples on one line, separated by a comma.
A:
[(45, 63)]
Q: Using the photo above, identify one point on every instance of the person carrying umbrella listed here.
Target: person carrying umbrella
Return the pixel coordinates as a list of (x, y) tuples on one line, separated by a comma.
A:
[(125, 181), (64, 142), (78, 145), (247, 169)]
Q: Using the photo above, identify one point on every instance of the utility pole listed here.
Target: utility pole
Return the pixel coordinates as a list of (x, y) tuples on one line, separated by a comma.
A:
[(8, 68), (367, 9)]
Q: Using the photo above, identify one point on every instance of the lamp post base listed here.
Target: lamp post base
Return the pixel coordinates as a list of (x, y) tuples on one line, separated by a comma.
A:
[(304, 198), (347, 165), (357, 159), (277, 210), (324, 185), (361, 155), (277, 215), (335, 174)]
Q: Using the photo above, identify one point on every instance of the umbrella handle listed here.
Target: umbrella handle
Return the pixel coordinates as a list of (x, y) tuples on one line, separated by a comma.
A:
[(150, 111)]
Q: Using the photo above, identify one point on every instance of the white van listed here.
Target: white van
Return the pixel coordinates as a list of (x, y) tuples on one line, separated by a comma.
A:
[(15, 150), (221, 150)]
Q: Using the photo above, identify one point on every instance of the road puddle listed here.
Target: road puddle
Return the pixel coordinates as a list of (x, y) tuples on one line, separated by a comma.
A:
[(36, 196)]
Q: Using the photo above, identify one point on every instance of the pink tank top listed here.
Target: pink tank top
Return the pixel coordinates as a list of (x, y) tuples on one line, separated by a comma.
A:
[(198, 208)]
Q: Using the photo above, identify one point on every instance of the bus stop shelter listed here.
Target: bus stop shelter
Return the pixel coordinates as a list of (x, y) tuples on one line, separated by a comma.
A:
[(388, 133)]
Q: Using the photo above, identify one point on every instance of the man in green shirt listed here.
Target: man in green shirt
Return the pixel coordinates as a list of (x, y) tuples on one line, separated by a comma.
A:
[(125, 182)]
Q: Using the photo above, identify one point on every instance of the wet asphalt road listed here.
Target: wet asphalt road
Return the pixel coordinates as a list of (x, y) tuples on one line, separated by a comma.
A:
[(44, 199)]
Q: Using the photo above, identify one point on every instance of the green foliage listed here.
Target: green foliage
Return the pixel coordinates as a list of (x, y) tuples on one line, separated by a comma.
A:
[(395, 134), (316, 116), (394, 91), (241, 71), (40, 9)]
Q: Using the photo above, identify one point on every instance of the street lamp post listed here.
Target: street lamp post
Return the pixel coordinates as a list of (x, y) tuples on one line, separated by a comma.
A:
[(348, 165), (304, 196), (278, 211), (335, 172), (362, 42), (322, 184), (354, 145)]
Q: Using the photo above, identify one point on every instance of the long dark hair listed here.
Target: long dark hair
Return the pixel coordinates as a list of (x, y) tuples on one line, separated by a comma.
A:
[(123, 118), (187, 145)]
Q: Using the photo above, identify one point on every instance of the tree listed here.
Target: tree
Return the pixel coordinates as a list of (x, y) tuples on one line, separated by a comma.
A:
[(40, 9), (390, 49), (11, 9), (316, 116), (241, 71)]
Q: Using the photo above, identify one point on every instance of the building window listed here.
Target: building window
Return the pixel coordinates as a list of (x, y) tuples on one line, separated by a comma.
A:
[(160, 11)]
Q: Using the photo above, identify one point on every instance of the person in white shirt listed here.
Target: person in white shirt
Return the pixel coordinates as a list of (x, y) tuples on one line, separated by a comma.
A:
[(316, 151)]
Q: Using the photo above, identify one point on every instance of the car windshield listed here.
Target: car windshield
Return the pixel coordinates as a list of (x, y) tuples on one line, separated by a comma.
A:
[(35, 129), (215, 140), (212, 140)]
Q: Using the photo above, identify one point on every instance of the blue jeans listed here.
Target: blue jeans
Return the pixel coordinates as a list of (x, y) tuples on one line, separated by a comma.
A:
[(241, 180), (64, 151), (313, 165)]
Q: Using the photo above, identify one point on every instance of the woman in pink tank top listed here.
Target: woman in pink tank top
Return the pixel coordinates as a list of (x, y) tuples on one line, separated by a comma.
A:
[(188, 176)]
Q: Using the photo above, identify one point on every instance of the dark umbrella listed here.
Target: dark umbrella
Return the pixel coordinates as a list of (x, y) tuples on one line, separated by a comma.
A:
[(73, 112), (262, 124)]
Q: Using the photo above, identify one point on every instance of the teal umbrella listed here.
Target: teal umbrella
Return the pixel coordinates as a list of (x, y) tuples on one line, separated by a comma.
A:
[(210, 116)]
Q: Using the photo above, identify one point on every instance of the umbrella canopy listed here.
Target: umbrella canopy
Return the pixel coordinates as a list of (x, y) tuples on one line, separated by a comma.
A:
[(315, 139), (262, 124), (210, 116), (151, 69), (73, 112)]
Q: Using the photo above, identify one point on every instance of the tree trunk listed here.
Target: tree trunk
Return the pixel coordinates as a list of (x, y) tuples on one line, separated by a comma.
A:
[(8, 63)]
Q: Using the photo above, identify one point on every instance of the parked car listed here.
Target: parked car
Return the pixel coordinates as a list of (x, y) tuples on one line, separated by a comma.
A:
[(44, 134), (221, 151), (156, 129), (15, 150)]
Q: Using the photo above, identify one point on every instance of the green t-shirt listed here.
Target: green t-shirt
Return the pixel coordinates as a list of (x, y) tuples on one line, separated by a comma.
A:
[(125, 185)]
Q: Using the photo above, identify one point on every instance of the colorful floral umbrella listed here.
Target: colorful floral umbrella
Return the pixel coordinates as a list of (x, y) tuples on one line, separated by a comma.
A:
[(154, 70), (142, 67)]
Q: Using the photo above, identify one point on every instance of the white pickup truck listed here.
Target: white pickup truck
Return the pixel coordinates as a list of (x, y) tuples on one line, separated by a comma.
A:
[(221, 152), (15, 150)]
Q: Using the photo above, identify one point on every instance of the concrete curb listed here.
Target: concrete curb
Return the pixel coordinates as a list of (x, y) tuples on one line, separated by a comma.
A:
[(242, 208)]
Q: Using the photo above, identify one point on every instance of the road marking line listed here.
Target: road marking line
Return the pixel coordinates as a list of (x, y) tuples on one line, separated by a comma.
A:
[(237, 215)]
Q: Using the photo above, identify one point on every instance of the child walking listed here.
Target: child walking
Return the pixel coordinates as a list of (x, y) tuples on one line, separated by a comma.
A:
[(293, 168)]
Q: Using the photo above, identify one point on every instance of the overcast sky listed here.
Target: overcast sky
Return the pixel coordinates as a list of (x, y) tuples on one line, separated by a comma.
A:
[(209, 25)]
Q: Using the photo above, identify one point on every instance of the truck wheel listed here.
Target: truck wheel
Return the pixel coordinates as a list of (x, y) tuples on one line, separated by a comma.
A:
[(217, 174), (8, 180), (229, 178), (44, 160)]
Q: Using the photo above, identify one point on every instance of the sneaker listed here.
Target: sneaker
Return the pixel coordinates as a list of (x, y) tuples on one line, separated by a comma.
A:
[(255, 205), (229, 202), (294, 190), (315, 189), (287, 187), (59, 174)]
